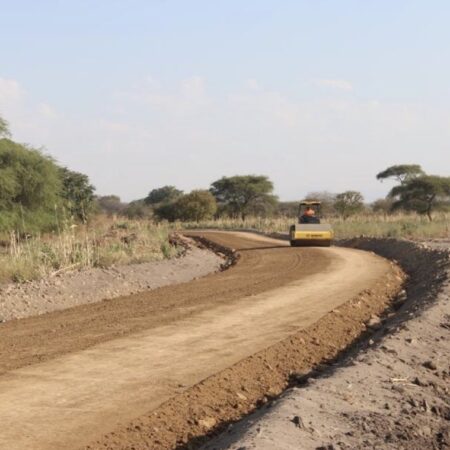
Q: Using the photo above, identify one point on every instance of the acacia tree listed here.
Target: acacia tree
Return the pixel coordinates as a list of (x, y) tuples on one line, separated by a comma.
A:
[(401, 173), (240, 194), (348, 203), (422, 194)]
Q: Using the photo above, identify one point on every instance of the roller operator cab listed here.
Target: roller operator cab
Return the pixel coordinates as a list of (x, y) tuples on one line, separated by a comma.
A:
[(310, 229)]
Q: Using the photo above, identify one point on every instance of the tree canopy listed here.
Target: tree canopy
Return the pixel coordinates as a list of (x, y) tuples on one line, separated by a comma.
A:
[(348, 203), (195, 206), (30, 184), (27, 177), (33, 188), (240, 194), (165, 194), (78, 193), (422, 194), (110, 204), (401, 173)]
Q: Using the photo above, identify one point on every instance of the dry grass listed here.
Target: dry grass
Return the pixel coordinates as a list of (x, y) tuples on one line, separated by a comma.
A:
[(105, 242), (410, 226), (102, 243)]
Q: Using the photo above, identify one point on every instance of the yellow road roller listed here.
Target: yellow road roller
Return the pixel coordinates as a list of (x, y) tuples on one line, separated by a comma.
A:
[(310, 231)]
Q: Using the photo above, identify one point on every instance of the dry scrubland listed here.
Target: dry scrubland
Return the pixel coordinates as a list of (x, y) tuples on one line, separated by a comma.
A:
[(101, 243), (408, 226), (105, 241)]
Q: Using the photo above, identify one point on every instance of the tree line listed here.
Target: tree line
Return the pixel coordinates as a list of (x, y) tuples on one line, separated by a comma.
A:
[(37, 194), (252, 195)]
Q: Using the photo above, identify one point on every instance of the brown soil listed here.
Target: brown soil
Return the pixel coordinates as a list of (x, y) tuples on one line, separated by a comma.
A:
[(93, 367), (391, 392), (186, 420)]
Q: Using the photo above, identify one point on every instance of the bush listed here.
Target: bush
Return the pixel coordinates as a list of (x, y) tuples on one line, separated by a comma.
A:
[(196, 206), (30, 188)]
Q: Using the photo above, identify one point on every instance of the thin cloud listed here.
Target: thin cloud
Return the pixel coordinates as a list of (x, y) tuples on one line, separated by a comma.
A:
[(342, 85), (10, 90)]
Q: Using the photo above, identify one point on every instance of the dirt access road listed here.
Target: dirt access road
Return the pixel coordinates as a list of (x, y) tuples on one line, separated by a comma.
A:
[(74, 375)]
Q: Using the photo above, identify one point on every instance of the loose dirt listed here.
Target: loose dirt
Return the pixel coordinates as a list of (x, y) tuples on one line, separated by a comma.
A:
[(72, 375), (70, 289)]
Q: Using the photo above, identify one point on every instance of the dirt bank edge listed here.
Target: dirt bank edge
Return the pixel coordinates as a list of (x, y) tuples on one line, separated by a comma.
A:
[(71, 289), (189, 419)]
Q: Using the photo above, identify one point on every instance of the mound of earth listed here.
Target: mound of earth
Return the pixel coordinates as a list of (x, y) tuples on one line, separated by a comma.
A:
[(70, 289)]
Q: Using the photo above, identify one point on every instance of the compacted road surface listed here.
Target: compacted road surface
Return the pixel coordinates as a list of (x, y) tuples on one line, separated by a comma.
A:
[(71, 376)]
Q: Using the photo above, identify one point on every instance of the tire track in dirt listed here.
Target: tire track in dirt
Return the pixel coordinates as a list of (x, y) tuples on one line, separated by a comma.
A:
[(80, 373)]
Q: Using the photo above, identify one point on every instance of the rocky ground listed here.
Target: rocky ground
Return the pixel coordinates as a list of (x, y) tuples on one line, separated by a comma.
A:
[(66, 290), (391, 394)]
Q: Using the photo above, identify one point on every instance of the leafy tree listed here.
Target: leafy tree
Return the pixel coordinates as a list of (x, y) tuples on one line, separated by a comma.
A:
[(422, 194), (29, 178), (165, 194), (78, 193), (167, 211), (241, 194), (196, 206), (4, 128), (111, 204), (30, 187), (349, 203), (401, 173)]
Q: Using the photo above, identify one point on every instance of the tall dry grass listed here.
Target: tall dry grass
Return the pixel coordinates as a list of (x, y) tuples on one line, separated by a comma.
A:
[(409, 226), (105, 241), (101, 243)]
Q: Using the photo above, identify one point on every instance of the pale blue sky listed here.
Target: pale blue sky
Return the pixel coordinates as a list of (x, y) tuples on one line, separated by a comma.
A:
[(316, 94)]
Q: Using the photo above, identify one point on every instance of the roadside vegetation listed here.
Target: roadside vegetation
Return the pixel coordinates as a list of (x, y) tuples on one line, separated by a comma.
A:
[(400, 225), (101, 243), (51, 220)]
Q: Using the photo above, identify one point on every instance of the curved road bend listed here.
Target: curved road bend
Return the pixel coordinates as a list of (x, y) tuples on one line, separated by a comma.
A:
[(73, 375)]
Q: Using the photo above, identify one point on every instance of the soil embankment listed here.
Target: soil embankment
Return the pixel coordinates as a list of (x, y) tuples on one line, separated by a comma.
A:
[(68, 289), (184, 358)]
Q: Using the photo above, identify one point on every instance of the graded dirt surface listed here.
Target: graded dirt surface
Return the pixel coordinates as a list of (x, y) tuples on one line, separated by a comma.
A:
[(74, 375), (391, 393)]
